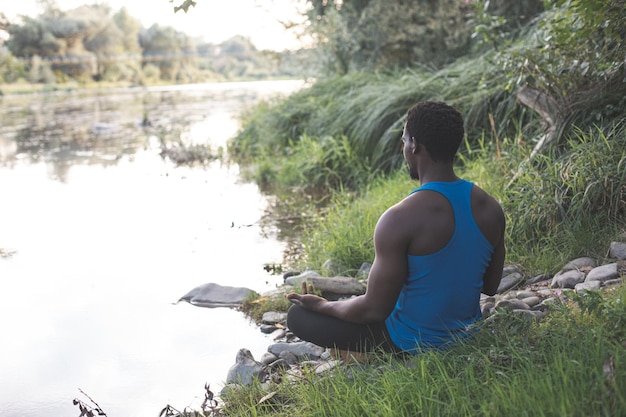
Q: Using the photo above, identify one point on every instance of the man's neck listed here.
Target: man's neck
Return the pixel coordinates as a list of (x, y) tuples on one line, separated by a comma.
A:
[(438, 173)]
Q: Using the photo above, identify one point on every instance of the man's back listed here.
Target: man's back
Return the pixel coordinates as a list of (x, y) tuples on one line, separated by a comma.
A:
[(448, 254)]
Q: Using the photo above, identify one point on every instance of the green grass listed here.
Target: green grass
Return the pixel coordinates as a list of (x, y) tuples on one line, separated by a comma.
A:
[(572, 363), (570, 203)]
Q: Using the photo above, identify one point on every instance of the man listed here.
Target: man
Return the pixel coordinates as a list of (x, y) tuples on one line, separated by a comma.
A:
[(436, 251)]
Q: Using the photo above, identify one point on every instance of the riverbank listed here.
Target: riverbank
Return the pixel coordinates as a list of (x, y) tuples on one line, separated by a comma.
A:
[(521, 309)]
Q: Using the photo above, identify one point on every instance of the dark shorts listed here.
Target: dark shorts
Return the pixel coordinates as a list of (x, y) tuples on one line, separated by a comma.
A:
[(332, 332)]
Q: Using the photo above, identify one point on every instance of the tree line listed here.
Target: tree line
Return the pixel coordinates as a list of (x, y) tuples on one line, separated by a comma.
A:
[(96, 43)]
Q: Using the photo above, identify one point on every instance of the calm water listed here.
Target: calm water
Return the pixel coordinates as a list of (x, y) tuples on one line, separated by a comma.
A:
[(107, 236)]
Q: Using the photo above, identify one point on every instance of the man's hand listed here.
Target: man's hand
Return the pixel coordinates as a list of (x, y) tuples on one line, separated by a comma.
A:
[(307, 300)]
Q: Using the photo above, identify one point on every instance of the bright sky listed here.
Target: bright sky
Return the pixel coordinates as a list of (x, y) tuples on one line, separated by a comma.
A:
[(214, 20)]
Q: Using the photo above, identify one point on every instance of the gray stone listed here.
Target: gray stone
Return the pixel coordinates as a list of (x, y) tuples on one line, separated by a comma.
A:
[(327, 366), (587, 286), (510, 269), (273, 317), (278, 334), (578, 264), (268, 358), (301, 349), (524, 294), (215, 295), (487, 309), (509, 282), (568, 279), (332, 267), (279, 364), (267, 328), (546, 292), (512, 304), (532, 301), (538, 278), (330, 285), (245, 370), (288, 357), (603, 273), (618, 250), (541, 307), (615, 281), (326, 355)]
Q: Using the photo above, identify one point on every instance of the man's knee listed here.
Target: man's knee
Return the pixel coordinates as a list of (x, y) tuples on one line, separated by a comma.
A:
[(294, 318)]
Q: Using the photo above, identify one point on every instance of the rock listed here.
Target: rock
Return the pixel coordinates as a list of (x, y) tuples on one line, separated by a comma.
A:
[(512, 304), (618, 250), (603, 273), (279, 334), (245, 370), (510, 269), (327, 366), (568, 279), (587, 286), (268, 358), (546, 292), (267, 328), (301, 349), (215, 295), (332, 267), (531, 301), (524, 294), (610, 282), (509, 281), (487, 309), (332, 285), (279, 364), (273, 317), (578, 264), (290, 274), (288, 357), (538, 278)]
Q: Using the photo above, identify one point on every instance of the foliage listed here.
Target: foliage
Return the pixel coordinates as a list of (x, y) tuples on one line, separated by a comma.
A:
[(579, 191), (93, 43), (364, 112), (254, 305), (374, 34)]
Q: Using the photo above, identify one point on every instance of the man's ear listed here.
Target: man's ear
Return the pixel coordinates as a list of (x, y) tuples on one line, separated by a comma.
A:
[(416, 147)]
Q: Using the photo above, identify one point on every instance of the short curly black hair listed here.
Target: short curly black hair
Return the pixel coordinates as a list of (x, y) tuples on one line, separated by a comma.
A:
[(437, 126)]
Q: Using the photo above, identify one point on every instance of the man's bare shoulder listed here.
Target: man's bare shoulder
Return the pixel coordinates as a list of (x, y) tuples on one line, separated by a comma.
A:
[(484, 201)]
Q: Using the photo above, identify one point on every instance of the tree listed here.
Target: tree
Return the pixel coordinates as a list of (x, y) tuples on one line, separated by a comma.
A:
[(170, 50), (376, 34)]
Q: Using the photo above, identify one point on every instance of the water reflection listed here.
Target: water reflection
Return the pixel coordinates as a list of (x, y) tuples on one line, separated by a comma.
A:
[(108, 235)]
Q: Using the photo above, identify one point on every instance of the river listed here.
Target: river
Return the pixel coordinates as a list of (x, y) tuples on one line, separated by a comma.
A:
[(100, 236)]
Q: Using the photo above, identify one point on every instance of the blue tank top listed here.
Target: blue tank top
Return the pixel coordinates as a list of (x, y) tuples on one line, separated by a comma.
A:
[(441, 296)]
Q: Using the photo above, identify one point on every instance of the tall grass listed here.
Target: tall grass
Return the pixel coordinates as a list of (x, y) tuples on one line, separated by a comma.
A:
[(572, 363), (570, 203), (366, 111)]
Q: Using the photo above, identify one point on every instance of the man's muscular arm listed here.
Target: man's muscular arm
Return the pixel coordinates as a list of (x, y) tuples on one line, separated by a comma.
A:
[(385, 281), (493, 273)]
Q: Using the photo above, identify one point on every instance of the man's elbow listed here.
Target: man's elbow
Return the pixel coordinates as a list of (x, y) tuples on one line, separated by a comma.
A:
[(375, 316)]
